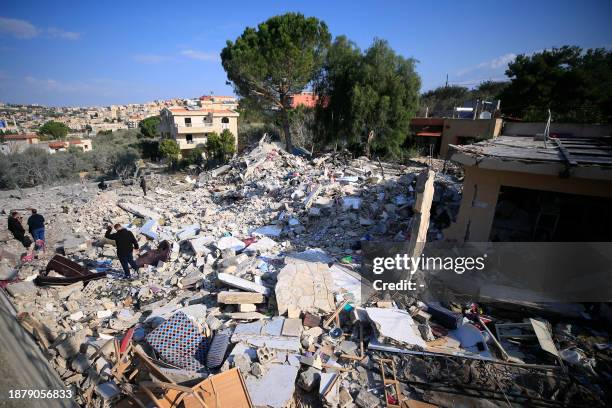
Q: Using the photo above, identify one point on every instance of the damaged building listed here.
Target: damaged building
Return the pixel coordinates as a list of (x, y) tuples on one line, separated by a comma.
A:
[(527, 189)]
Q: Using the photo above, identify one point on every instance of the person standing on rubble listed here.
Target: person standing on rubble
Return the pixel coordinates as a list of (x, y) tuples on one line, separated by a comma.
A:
[(126, 244), (143, 185), (15, 227), (36, 226)]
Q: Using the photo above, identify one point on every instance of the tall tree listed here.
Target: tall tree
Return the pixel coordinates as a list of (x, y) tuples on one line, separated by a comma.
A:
[(148, 126), (442, 100), (280, 58), (53, 130), (334, 113), (371, 96), (575, 85)]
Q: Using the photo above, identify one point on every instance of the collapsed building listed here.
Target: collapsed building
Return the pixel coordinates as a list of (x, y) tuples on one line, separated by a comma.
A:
[(249, 294)]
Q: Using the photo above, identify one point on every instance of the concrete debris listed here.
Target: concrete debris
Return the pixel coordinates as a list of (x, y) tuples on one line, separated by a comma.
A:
[(307, 286), (280, 379), (251, 271), (236, 282)]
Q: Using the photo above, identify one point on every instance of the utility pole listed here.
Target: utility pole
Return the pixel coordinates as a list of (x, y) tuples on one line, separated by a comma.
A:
[(446, 81)]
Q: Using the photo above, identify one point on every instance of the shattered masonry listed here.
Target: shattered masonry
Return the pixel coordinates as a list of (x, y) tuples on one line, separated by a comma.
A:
[(247, 296)]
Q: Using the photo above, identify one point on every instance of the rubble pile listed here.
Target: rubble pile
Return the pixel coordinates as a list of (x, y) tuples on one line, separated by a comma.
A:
[(248, 285)]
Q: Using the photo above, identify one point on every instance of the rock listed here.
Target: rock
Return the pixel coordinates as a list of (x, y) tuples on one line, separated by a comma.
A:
[(236, 298), (230, 243), (80, 363), (22, 289), (309, 379), (306, 286), (245, 307), (69, 345), (269, 230), (244, 284), (348, 347), (243, 362), (258, 370), (366, 399), (280, 379), (76, 316)]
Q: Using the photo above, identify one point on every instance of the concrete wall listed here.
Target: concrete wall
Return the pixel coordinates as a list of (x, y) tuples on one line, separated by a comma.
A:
[(481, 189), (480, 129), (198, 138), (574, 129)]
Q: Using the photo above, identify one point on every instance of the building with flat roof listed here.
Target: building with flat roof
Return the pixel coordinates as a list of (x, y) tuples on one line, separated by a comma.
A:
[(191, 126), (527, 189), (443, 132)]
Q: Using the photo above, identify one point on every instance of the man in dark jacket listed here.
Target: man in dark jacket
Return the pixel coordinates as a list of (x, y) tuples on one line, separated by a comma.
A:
[(36, 226), (14, 225), (126, 244), (143, 185)]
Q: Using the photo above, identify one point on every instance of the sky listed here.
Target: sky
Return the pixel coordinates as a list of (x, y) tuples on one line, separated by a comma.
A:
[(86, 53)]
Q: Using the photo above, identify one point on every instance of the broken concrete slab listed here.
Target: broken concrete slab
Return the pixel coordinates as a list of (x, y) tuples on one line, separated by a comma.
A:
[(269, 230), (200, 244), (281, 379), (307, 286), (230, 243), (236, 298), (139, 211), (188, 232), (263, 244), (247, 307), (396, 325), (292, 328), (149, 229), (22, 289), (244, 284)]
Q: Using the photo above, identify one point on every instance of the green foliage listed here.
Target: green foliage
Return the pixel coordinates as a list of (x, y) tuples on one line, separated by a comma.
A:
[(367, 99), (442, 100), (169, 149), (53, 130), (148, 126), (220, 147), (270, 64), (149, 149), (113, 155), (575, 85), (194, 156)]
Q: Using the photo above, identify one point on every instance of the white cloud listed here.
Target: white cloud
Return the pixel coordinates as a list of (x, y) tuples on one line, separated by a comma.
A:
[(151, 58), (200, 55), (494, 64), (66, 35), (23, 29), (17, 28)]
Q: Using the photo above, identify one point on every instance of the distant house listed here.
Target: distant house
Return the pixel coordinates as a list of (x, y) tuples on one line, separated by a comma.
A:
[(61, 145), (18, 143), (307, 99), (218, 102), (190, 126)]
